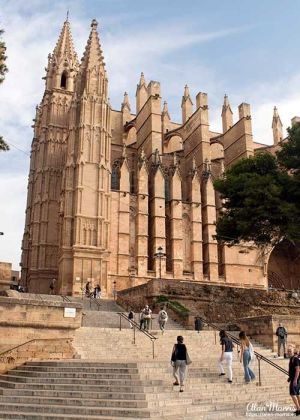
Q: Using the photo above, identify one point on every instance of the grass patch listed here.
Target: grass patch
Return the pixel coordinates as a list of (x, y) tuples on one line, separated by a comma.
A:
[(173, 304)]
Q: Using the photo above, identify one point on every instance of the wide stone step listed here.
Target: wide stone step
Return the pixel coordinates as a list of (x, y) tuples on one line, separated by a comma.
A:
[(80, 381), (17, 415), (72, 387), (83, 411), (84, 369), (76, 402), (73, 394), (79, 363), (75, 375)]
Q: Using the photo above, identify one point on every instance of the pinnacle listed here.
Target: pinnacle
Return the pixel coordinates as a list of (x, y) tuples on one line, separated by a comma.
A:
[(276, 118), (226, 101), (93, 54), (226, 105), (125, 102), (64, 47), (186, 91), (142, 80)]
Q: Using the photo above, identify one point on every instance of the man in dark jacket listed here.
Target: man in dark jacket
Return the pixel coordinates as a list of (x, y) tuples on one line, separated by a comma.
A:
[(281, 333)]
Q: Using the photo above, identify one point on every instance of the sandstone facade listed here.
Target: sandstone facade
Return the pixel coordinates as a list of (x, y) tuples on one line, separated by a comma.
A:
[(108, 188)]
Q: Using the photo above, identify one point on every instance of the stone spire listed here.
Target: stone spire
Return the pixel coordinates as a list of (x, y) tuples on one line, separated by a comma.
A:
[(227, 120), (142, 80), (63, 62), (186, 105), (277, 127), (165, 111), (64, 47), (125, 103), (141, 93), (92, 67)]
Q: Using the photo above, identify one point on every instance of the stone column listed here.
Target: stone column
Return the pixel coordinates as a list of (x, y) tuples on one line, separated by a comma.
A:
[(196, 228), (176, 224), (124, 222), (210, 246), (157, 204), (142, 219)]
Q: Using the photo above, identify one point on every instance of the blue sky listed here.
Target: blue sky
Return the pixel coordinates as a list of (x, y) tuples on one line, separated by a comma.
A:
[(249, 50)]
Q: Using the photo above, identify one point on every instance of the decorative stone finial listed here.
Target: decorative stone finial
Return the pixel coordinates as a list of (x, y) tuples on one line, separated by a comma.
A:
[(142, 79), (94, 24), (186, 93)]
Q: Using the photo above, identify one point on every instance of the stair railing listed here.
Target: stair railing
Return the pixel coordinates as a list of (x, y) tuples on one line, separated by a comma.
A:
[(136, 326), (259, 356), (31, 341)]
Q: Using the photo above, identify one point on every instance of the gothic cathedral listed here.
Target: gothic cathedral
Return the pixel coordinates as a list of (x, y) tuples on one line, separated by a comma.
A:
[(118, 198)]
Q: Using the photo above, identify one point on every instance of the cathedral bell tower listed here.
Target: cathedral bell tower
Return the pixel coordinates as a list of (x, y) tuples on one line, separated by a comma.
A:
[(85, 205), (41, 236)]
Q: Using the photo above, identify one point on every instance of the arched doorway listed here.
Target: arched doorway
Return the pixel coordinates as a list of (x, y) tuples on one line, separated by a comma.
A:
[(284, 266)]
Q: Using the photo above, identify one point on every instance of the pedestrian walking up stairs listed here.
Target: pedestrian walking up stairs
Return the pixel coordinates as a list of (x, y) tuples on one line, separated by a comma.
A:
[(116, 379), (103, 313)]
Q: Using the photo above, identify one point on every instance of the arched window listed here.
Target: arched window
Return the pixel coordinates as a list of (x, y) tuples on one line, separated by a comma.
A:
[(63, 80)]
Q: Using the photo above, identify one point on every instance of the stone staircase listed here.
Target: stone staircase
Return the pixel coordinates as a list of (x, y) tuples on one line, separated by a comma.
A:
[(103, 313), (115, 379)]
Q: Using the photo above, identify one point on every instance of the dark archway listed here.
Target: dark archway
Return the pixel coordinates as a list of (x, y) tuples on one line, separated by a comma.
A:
[(284, 266)]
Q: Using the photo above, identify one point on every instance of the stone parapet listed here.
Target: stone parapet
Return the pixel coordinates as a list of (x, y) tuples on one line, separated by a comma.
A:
[(263, 328), (25, 317)]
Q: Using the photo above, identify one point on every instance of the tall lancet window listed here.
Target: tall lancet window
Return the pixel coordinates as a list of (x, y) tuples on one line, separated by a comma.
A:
[(63, 80), (115, 176)]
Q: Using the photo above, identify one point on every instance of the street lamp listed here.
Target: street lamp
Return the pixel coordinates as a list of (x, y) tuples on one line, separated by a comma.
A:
[(159, 254), (114, 289)]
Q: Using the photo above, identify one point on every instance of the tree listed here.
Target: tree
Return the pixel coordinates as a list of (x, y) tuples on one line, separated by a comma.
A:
[(3, 69), (262, 196)]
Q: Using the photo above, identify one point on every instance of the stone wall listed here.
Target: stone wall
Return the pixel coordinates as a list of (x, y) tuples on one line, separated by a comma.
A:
[(263, 329), (220, 304), (25, 317), (37, 349)]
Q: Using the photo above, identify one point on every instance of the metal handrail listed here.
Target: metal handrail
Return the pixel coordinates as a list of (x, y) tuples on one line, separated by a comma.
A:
[(259, 356), (92, 299), (136, 326), (31, 341)]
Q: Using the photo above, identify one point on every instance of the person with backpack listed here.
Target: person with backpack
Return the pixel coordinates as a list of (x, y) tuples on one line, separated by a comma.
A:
[(179, 360), (226, 355), (162, 319), (131, 317), (246, 355), (146, 317), (198, 324), (281, 333)]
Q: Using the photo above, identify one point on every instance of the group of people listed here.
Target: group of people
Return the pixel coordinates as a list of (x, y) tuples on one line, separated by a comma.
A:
[(146, 317), (180, 359), (92, 293)]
